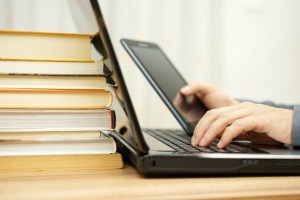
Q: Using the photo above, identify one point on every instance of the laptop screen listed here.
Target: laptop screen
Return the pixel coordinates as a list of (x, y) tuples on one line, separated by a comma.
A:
[(167, 81)]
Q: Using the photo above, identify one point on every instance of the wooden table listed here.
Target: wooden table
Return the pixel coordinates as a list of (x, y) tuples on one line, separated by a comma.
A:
[(127, 183)]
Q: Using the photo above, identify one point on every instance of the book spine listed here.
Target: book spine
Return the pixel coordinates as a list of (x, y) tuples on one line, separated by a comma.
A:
[(44, 67), (113, 119), (42, 90)]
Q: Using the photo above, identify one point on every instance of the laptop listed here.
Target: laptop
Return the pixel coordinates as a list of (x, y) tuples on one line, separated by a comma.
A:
[(162, 151)]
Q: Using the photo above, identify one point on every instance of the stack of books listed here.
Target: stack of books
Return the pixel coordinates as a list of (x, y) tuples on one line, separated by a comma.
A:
[(54, 104)]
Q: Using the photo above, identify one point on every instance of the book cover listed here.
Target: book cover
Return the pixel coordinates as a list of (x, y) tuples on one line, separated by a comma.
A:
[(54, 98), (45, 46), (52, 82)]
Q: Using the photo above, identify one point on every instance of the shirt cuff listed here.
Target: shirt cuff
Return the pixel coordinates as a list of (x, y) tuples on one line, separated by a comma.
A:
[(296, 126)]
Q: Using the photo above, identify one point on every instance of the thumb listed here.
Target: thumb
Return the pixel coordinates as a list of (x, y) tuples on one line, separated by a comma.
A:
[(196, 88)]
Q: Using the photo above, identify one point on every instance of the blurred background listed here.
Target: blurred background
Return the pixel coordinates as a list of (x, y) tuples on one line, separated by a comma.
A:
[(248, 48)]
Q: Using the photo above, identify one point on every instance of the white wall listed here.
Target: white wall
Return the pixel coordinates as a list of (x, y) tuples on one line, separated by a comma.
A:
[(249, 48), (261, 49), (36, 15)]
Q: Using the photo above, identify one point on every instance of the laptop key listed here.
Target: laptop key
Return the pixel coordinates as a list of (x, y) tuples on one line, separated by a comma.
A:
[(183, 138), (194, 151), (241, 149), (216, 149), (232, 150), (205, 150)]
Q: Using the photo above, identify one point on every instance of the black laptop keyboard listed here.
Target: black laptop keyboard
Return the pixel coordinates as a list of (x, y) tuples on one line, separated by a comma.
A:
[(182, 143)]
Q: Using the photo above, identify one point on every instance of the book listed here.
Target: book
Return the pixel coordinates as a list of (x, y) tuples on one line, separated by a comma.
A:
[(26, 120), (60, 162), (52, 82), (54, 98), (51, 67), (49, 135), (45, 46), (58, 154)]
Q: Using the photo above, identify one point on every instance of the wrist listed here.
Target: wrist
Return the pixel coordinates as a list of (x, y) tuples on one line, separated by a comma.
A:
[(235, 102)]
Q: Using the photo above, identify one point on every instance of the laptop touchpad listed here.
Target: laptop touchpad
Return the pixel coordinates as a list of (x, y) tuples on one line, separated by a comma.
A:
[(156, 145)]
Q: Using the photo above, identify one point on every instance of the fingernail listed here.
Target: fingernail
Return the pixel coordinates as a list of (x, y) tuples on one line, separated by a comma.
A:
[(202, 142), (220, 144), (193, 140), (185, 89)]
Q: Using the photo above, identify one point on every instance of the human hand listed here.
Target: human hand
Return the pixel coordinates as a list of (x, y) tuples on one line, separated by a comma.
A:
[(260, 123), (210, 96), (189, 107)]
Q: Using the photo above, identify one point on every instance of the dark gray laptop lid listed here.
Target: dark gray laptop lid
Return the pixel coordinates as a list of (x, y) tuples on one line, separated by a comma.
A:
[(130, 125)]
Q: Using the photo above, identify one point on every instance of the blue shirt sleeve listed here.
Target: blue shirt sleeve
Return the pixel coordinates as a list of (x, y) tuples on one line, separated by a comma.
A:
[(296, 126), (269, 103)]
